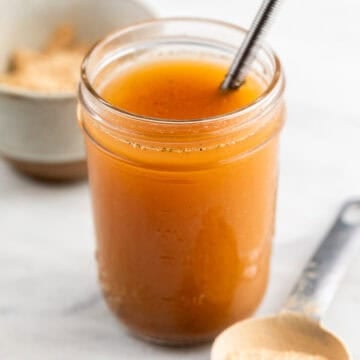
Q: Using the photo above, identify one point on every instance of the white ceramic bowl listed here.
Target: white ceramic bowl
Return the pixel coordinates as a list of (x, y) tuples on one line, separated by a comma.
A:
[(42, 129)]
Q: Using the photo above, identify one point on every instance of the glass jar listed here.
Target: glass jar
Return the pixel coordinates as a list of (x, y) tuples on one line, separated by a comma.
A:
[(184, 210)]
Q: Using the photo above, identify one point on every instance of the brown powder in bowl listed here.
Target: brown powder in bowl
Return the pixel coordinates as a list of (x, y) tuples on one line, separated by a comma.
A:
[(272, 355), (54, 69)]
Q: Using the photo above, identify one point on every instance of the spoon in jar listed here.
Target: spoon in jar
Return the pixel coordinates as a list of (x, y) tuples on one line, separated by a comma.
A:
[(247, 52), (296, 329)]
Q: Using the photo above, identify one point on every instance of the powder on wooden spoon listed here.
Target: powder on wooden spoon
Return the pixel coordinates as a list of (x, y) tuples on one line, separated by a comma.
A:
[(272, 355)]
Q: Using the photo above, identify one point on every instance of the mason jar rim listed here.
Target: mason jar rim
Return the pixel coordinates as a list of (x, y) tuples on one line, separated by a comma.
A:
[(273, 90)]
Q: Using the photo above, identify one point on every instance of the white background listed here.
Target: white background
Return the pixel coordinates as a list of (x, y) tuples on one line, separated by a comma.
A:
[(50, 306)]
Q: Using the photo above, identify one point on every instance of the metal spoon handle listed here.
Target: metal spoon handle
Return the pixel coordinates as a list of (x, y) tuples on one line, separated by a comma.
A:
[(317, 285), (247, 52)]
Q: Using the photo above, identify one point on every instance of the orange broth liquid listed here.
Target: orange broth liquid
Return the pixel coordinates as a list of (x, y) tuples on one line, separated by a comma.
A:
[(183, 236)]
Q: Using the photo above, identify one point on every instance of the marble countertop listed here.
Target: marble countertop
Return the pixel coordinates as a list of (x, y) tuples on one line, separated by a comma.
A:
[(50, 304)]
